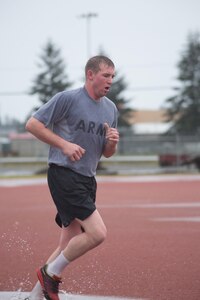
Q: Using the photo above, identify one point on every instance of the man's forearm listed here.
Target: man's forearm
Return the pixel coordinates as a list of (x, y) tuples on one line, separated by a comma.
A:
[(73, 151), (44, 134), (109, 149)]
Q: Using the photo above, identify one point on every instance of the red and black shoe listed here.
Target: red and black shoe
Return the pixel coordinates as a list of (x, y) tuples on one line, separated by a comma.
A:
[(50, 285)]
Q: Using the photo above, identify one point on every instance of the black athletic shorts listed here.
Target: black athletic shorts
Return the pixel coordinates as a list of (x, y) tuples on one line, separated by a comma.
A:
[(73, 194)]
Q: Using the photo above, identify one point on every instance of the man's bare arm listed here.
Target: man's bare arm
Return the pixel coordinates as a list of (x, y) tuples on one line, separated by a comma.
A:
[(37, 128), (112, 137)]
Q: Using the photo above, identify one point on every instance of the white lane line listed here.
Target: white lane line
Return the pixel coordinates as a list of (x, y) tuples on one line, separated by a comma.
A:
[(152, 205), (147, 178), (22, 295), (22, 182), (4, 182), (177, 219)]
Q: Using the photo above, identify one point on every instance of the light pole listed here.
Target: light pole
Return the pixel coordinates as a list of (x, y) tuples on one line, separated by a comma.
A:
[(88, 17)]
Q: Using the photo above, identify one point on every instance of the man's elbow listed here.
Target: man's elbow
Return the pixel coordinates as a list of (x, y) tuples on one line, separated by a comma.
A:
[(106, 155), (31, 124), (109, 152), (28, 125)]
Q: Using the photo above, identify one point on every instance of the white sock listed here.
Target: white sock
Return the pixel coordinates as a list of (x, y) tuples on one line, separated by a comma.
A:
[(36, 293), (58, 265)]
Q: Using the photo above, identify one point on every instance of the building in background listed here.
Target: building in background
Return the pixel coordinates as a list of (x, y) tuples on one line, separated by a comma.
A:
[(149, 122)]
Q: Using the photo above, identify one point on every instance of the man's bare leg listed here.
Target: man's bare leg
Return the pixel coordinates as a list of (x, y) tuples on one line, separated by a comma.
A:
[(94, 234), (66, 234)]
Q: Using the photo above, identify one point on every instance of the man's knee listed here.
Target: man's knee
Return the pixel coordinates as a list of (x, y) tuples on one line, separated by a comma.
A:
[(99, 236), (95, 229)]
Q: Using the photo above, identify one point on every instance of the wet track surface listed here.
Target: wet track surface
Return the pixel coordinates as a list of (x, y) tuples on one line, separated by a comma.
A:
[(151, 252)]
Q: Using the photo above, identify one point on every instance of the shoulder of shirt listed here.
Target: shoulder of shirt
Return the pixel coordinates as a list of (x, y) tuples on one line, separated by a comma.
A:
[(72, 92), (110, 101)]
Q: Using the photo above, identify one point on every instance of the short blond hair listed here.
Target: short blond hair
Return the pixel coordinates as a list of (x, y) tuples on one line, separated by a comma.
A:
[(95, 61)]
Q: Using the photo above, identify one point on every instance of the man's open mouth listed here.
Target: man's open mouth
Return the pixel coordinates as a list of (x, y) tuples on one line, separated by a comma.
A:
[(107, 88)]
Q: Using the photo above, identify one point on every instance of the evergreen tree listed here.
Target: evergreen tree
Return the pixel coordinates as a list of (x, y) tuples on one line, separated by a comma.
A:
[(52, 78), (183, 109)]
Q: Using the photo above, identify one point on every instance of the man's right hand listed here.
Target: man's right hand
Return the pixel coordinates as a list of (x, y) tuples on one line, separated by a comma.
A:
[(73, 151), (37, 128)]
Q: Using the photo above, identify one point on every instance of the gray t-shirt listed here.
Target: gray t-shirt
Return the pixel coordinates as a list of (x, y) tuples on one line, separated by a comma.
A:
[(79, 119)]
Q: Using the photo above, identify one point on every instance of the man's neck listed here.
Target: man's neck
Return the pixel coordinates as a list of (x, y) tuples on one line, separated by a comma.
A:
[(91, 93)]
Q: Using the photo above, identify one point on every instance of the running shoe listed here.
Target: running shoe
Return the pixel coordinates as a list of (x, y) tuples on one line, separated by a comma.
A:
[(50, 285)]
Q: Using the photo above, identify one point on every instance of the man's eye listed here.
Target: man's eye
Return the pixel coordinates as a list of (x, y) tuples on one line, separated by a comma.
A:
[(108, 75)]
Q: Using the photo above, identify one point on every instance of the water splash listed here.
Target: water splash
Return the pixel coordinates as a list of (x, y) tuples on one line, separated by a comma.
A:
[(91, 278), (12, 240)]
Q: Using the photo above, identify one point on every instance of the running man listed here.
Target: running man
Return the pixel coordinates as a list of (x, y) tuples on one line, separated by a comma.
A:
[(80, 126)]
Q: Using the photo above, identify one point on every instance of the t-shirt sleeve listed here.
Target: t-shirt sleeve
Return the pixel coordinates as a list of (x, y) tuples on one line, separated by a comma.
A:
[(116, 116), (54, 110)]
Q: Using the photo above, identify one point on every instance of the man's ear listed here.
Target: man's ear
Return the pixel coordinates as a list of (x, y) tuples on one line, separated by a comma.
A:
[(90, 74)]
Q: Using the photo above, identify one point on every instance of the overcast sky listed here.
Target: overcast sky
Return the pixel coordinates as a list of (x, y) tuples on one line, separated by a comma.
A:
[(144, 38)]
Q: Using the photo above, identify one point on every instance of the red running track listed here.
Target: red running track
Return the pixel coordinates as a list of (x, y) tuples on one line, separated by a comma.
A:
[(152, 249)]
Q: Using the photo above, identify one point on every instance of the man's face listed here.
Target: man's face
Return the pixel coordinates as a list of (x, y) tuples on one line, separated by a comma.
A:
[(102, 80)]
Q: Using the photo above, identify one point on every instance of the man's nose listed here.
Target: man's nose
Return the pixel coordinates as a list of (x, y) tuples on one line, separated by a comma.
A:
[(110, 80)]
